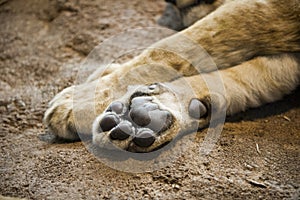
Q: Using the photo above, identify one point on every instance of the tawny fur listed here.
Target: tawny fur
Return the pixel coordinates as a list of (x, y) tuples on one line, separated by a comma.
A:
[(255, 44)]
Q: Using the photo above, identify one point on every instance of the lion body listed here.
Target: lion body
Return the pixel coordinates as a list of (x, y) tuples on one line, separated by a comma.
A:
[(254, 44)]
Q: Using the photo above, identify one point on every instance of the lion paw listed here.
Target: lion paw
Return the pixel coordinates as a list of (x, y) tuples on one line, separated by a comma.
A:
[(71, 113), (59, 118), (146, 120)]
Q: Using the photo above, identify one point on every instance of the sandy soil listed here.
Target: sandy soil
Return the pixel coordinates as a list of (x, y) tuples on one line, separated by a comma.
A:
[(42, 43)]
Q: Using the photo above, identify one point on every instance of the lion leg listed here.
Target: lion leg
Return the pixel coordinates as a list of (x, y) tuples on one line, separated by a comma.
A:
[(240, 30), (152, 115)]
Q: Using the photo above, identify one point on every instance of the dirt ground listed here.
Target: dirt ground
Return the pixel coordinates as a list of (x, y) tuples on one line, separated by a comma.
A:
[(42, 43)]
